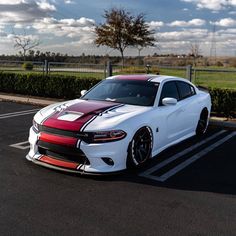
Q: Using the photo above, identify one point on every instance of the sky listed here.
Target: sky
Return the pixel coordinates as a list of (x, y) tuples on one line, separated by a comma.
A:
[(67, 26)]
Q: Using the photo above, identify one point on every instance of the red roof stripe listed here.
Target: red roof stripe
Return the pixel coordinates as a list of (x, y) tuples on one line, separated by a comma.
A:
[(134, 77)]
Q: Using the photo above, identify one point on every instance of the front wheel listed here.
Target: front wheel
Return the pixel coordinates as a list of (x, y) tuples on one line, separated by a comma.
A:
[(140, 148)]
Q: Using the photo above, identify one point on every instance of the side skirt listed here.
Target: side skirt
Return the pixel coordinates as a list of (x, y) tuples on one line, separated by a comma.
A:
[(173, 143)]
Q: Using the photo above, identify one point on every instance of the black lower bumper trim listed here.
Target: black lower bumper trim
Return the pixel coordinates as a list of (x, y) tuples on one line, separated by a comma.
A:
[(62, 152), (79, 171)]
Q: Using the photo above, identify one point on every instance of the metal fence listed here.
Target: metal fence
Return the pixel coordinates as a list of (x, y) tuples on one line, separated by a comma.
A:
[(94, 70), (220, 78), (17, 66)]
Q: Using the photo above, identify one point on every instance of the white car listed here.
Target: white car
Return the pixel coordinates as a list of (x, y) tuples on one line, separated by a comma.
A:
[(122, 121)]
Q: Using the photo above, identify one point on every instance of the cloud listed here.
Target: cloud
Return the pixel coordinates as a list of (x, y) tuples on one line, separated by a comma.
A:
[(21, 26), (155, 25), (24, 11), (81, 29), (2, 33), (226, 22), (185, 35), (193, 22), (46, 6), (12, 2), (214, 5), (69, 2)]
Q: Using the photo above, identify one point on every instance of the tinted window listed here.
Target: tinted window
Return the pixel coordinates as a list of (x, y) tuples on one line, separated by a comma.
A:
[(132, 92), (185, 89), (169, 90)]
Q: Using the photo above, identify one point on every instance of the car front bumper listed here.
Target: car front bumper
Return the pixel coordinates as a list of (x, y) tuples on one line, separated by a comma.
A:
[(90, 162)]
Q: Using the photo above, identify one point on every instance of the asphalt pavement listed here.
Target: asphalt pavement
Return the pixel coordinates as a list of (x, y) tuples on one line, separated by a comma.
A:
[(189, 189)]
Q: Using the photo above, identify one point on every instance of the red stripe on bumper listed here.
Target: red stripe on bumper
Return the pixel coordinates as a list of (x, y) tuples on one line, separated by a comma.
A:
[(60, 140), (60, 163)]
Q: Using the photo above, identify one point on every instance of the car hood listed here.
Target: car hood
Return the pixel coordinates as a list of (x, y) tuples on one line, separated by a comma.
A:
[(79, 115)]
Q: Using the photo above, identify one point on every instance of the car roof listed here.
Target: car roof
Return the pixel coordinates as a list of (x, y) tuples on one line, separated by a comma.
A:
[(146, 77)]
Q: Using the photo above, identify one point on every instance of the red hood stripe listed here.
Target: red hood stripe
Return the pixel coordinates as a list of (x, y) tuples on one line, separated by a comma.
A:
[(88, 108)]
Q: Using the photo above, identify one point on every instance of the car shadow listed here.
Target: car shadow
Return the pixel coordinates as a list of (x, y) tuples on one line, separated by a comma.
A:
[(214, 172)]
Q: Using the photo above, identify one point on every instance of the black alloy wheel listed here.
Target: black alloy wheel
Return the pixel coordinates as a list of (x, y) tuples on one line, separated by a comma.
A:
[(140, 148)]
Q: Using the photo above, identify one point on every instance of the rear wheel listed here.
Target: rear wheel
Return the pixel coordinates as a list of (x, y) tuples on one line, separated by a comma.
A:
[(140, 148), (202, 123)]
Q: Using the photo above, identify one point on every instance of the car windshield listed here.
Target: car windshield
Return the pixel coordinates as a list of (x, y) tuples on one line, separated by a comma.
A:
[(131, 92)]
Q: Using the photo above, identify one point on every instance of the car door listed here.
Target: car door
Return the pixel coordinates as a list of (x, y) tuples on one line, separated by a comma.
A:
[(173, 115), (190, 104)]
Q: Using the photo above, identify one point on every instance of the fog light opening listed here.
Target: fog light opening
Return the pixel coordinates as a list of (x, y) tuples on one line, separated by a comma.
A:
[(108, 161)]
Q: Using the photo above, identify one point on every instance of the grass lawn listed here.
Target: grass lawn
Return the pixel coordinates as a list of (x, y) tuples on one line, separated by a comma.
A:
[(226, 80), (96, 75)]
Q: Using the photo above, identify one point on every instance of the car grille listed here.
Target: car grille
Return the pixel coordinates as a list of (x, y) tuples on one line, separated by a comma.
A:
[(59, 132), (62, 152)]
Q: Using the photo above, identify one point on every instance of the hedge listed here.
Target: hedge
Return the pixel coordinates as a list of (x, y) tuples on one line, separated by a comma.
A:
[(56, 86), (223, 101), (68, 87)]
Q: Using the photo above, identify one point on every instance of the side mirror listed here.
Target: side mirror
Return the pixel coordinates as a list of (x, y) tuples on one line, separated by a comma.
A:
[(169, 101), (83, 92)]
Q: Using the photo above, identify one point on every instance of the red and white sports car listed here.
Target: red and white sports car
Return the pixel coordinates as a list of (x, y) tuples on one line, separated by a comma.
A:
[(124, 120)]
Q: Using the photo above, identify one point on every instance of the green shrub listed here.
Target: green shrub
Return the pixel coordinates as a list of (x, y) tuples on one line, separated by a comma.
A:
[(28, 66), (55, 86), (223, 101)]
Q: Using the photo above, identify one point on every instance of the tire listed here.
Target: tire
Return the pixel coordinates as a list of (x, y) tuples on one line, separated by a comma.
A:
[(140, 148), (202, 123)]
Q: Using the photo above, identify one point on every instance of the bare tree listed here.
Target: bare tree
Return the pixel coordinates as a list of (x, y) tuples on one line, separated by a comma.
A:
[(122, 30), (25, 43), (195, 51)]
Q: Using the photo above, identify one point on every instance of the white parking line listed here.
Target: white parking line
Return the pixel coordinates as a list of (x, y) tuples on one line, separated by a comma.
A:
[(21, 145), (180, 154), (18, 113), (147, 173)]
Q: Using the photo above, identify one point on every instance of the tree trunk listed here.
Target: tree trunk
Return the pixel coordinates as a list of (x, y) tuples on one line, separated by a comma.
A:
[(139, 55), (122, 57), (24, 53)]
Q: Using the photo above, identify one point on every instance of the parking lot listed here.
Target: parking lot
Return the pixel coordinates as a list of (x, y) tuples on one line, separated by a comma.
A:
[(189, 189)]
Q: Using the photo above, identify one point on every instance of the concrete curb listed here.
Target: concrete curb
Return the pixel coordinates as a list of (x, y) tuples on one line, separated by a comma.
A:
[(222, 124), (28, 100), (214, 121)]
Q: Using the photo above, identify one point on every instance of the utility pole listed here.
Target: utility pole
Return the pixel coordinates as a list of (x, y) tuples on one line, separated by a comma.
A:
[(213, 44)]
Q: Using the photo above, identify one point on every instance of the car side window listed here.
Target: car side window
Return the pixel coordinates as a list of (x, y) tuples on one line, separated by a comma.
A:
[(185, 89), (169, 90)]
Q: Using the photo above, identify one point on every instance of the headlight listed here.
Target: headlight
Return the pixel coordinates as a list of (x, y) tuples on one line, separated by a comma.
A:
[(35, 126), (103, 136)]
